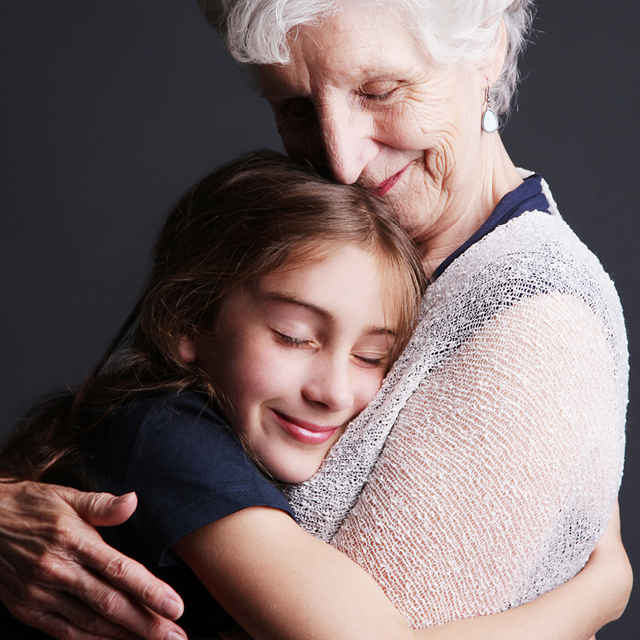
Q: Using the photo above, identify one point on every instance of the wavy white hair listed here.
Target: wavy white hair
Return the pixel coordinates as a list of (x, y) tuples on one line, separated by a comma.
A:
[(451, 32)]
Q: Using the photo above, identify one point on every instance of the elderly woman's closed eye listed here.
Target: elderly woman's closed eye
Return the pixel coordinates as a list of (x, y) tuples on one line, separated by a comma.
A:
[(393, 100)]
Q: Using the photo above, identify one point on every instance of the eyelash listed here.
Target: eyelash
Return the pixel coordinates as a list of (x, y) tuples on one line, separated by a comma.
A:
[(376, 362), (377, 97), (299, 342), (291, 341), (307, 109)]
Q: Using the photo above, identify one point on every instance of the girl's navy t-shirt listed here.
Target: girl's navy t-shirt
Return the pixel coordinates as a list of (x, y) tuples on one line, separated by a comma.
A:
[(188, 469)]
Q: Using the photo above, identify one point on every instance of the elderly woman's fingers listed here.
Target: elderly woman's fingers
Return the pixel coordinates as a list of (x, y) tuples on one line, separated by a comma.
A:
[(109, 613), (60, 628), (610, 544), (119, 606), (101, 509), (45, 547), (63, 616), (611, 557), (611, 536), (120, 571)]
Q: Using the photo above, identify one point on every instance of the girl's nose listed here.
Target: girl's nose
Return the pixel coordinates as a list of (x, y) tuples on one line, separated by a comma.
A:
[(329, 384)]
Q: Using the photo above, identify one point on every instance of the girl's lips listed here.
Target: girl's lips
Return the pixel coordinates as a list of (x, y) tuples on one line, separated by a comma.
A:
[(303, 431), (388, 184)]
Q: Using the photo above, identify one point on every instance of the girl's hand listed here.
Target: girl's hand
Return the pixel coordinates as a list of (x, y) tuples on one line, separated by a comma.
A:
[(610, 560), (58, 575)]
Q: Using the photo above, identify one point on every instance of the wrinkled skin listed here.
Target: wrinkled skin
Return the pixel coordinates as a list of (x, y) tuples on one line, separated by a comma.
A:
[(360, 97), (58, 575)]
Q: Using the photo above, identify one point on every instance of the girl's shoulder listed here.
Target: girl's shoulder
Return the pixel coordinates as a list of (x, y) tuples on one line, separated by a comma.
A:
[(186, 465)]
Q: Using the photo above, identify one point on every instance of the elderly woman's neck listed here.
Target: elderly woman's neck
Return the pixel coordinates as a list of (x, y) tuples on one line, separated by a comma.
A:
[(469, 208)]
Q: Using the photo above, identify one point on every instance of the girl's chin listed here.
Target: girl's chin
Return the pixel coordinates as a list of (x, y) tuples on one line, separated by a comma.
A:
[(295, 475)]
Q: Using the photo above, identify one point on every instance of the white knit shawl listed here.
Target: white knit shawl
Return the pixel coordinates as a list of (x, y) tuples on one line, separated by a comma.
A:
[(485, 470)]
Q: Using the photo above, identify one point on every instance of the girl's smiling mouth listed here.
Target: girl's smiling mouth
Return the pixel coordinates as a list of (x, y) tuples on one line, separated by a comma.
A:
[(303, 431)]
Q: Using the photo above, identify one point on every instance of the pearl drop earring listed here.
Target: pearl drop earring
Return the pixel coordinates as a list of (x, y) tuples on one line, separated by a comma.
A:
[(489, 118)]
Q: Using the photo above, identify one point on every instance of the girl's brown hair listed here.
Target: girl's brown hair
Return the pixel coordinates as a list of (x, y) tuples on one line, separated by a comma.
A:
[(245, 220)]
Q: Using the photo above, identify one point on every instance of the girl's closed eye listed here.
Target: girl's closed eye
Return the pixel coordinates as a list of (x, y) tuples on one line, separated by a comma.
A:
[(373, 359), (291, 340), (299, 354), (374, 350), (290, 326)]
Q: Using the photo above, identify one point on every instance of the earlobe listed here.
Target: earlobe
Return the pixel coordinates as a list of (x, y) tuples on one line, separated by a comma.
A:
[(186, 350)]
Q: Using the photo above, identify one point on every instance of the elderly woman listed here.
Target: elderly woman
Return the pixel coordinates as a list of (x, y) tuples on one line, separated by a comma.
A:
[(485, 470)]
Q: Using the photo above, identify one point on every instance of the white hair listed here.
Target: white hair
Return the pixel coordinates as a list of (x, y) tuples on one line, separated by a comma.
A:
[(451, 32)]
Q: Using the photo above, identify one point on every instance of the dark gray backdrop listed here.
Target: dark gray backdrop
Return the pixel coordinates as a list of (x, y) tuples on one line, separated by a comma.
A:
[(109, 110)]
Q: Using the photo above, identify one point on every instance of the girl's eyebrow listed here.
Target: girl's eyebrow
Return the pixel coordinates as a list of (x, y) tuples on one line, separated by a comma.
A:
[(279, 296)]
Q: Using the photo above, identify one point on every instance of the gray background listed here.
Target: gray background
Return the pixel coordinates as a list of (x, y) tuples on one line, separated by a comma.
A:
[(110, 110)]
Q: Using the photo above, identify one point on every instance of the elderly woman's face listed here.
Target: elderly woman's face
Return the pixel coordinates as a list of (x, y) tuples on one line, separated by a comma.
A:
[(362, 98)]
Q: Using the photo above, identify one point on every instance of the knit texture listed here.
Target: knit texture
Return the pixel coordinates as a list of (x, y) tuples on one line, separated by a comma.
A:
[(485, 470)]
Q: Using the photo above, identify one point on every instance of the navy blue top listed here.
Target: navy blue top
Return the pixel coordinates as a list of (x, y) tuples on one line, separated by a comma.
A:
[(527, 197), (188, 469)]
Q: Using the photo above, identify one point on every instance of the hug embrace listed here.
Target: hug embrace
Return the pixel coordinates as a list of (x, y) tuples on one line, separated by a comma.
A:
[(375, 389)]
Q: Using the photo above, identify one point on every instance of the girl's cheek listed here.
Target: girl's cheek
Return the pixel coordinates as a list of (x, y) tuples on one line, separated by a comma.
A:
[(370, 386)]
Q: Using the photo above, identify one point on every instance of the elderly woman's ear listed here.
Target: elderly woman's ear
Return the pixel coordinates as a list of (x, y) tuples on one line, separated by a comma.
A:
[(495, 62)]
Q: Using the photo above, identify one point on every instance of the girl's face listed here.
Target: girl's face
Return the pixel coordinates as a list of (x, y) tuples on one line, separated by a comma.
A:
[(298, 355)]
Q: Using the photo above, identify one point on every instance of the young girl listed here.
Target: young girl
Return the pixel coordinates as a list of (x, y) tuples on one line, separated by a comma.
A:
[(277, 303)]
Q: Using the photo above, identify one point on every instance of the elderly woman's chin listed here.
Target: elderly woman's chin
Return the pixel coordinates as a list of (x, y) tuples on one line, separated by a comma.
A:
[(361, 97)]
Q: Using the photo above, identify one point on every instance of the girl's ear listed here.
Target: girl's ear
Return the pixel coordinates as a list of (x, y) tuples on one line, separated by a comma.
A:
[(186, 350)]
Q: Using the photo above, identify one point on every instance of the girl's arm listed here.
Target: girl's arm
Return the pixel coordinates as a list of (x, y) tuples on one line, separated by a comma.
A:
[(279, 582)]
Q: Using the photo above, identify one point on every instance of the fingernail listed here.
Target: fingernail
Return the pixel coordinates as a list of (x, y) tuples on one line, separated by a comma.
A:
[(121, 499), (172, 635), (172, 607)]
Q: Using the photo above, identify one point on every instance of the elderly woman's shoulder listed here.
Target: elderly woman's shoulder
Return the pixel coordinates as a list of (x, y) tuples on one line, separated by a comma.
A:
[(536, 251), (536, 254)]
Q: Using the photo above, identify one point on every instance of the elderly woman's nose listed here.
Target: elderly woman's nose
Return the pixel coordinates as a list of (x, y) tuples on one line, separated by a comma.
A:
[(348, 143)]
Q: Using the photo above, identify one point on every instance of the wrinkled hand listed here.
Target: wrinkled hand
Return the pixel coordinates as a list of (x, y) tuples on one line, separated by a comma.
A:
[(58, 575)]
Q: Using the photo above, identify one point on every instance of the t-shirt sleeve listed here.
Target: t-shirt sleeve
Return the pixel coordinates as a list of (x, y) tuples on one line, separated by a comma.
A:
[(189, 469)]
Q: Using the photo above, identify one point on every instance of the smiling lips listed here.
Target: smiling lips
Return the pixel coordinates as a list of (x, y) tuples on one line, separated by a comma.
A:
[(387, 184), (303, 431)]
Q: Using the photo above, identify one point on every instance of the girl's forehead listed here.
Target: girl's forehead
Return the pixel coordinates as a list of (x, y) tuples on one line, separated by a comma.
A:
[(348, 273)]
